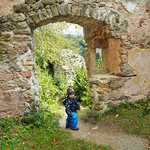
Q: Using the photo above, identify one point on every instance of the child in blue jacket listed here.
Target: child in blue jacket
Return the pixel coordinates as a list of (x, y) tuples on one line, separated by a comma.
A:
[(71, 106)]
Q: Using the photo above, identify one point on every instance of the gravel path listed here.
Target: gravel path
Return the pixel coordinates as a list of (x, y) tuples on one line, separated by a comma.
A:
[(108, 134)]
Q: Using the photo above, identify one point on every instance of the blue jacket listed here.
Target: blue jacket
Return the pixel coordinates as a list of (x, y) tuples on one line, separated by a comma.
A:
[(71, 105)]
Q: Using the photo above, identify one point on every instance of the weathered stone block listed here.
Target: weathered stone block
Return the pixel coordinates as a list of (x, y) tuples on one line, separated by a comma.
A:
[(3, 19), (21, 38), (37, 5), (36, 19), (7, 87), (22, 84), (124, 58), (28, 63), (30, 22), (94, 14), (26, 74), (68, 8), (126, 70), (49, 12), (42, 14), (48, 2), (7, 36), (21, 48), (6, 45), (87, 12), (15, 66), (148, 6), (74, 9), (21, 25), (20, 8), (6, 27), (30, 1), (61, 9), (27, 95), (18, 17), (115, 84), (45, 14), (54, 10), (60, 1), (22, 32), (6, 77)]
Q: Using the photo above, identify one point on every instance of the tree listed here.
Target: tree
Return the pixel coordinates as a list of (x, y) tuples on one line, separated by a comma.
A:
[(49, 41)]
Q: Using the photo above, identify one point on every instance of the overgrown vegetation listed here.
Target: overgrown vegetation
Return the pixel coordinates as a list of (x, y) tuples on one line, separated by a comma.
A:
[(99, 63), (79, 43), (51, 89), (49, 41), (81, 87), (39, 131), (134, 117)]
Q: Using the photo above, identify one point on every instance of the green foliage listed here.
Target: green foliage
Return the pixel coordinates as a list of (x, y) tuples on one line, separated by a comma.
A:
[(133, 117), (79, 43), (81, 87), (49, 41), (51, 89), (39, 131), (99, 63)]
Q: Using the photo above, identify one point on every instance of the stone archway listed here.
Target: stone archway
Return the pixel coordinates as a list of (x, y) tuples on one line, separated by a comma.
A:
[(104, 26)]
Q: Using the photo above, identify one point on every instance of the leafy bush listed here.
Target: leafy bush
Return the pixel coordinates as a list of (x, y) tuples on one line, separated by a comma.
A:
[(81, 87), (51, 89)]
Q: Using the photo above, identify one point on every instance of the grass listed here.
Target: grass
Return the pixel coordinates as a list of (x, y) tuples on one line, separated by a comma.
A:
[(40, 131), (134, 118)]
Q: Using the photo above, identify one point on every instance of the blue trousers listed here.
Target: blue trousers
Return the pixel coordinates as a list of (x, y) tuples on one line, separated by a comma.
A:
[(72, 121)]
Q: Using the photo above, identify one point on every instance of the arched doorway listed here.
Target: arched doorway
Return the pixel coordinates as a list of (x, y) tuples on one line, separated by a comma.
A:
[(101, 23)]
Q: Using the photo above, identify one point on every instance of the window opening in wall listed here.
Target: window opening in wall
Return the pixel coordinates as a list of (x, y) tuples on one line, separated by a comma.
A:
[(99, 57)]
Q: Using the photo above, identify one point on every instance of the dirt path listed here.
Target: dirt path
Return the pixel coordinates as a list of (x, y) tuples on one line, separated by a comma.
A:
[(107, 134)]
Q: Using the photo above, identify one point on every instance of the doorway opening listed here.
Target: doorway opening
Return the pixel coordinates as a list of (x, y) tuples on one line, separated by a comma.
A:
[(60, 63)]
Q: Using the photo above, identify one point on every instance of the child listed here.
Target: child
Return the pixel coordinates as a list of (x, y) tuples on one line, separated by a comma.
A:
[(71, 107)]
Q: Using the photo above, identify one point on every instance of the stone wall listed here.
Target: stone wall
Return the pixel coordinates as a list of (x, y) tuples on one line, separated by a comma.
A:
[(119, 27), (125, 58), (6, 6), (70, 62)]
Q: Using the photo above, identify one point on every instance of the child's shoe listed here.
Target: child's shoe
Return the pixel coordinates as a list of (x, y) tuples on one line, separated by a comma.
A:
[(75, 129), (67, 127)]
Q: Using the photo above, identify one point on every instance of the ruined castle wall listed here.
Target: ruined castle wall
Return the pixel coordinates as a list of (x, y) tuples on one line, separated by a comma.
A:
[(6, 6), (119, 27), (129, 80)]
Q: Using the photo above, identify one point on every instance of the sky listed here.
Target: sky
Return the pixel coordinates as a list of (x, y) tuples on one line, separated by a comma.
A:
[(74, 29)]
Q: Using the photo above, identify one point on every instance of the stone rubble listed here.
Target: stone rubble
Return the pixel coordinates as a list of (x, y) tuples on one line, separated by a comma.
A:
[(71, 61)]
